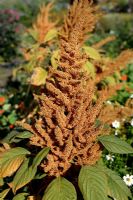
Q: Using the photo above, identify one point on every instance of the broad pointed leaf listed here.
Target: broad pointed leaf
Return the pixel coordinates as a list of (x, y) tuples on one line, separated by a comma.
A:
[(16, 136), (33, 33), (1, 182), (21, 196), (115, 145), (117, 189), (11, 160), (92, 53), (110, 80), (24, 135), (50, 35), (9, 137), (60, 189), (55, 59), (39, 76), (116, 186), (27, 171), (89, 67), (6, 107), (23, 176), (39, 157), (40, 176), (10, 166), (4, 193), (92, 183), (9, 154)]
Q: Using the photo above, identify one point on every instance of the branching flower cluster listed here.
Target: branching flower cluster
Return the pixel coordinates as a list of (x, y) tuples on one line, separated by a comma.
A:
[(43, 23), (116, 112), (71, 104)]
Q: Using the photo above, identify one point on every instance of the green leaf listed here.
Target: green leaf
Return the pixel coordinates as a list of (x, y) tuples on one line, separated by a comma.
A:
[(117, 75), (11, 160), (40, 176), (24, 135), (14, 135), (27, 171), (92, 53), (21, 196), (50, 35), (39, 76), (39, 157), (55, 59), (33, 33), (117, 189), (110, 80), (4, 121), (6, 107), (4, 193), (92, 183), (60, 189), (115, 145), (9, 154), (23, 176), (1, 182), (116, 186), (9, 137), (11, 166), (12, 118), (89, 67)]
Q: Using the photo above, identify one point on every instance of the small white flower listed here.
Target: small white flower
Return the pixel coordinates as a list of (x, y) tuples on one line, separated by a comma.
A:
[(116, 124), (109, 102), (131, 122), (11, 95), (112, 32), (128, 179), (16, 106), (131, 96), (110, 157), (116, 133)]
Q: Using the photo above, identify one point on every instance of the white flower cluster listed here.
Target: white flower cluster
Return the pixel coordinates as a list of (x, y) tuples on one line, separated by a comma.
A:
[(116, 132), (109, 102), (116, 124), (131, 96), (131, 122), (128, 179), (110, 157)]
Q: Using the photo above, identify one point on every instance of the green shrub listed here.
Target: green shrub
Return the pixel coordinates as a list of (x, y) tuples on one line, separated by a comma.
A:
[(9, 33)]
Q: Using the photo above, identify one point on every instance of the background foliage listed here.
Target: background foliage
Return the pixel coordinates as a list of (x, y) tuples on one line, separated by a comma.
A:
[(16, 99)]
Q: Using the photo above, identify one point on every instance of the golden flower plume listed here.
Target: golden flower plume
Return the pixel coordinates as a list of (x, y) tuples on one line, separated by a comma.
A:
[(68, 110), (112, 112), (43, 23), (117, 64), (103, 42)]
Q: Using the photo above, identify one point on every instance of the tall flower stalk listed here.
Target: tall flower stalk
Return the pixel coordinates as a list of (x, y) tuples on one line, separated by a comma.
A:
[(71, 104)]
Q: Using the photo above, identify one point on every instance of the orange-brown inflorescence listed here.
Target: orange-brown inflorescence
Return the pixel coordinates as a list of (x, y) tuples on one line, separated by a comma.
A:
[(115, 65), (103, 42), (68, 109), (40, 29), (112, 112), (43, 24)]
